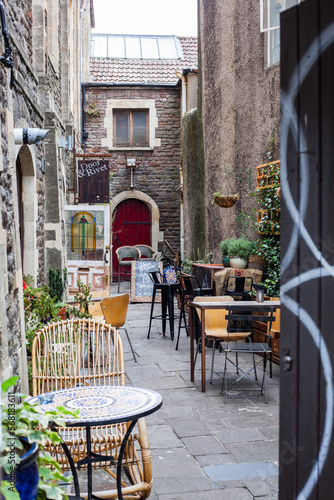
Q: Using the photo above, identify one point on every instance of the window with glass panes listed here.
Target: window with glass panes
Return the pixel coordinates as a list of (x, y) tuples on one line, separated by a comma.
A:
[(131, 127)]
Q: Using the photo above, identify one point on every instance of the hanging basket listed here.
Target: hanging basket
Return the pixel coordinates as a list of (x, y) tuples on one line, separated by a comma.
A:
[(226, 201)]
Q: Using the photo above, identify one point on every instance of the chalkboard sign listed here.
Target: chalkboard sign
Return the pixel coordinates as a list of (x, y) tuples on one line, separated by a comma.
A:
[(141, 284)]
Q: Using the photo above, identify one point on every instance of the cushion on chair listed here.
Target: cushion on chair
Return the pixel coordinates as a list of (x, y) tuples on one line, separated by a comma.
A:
[(169, 275)]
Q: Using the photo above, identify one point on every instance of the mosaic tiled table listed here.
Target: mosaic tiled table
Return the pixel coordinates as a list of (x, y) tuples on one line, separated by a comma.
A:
[(102, 405)]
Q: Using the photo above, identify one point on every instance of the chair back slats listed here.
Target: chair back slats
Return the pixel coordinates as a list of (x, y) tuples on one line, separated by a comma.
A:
[(76, 352)]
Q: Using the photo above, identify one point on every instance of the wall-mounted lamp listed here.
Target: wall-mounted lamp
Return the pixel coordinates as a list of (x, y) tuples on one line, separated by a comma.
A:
[(29, 135), (131, 162), (66, 144), (43, 165)]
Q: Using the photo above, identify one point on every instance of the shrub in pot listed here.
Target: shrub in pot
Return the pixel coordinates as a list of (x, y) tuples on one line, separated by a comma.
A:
[(224, 246), (239, 251), (24, 465)]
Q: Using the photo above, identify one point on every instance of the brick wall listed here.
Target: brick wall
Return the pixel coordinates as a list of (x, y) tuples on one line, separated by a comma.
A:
[(157, 171)]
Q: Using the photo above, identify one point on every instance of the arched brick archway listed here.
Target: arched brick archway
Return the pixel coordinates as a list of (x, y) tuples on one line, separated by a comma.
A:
[(147, 216)]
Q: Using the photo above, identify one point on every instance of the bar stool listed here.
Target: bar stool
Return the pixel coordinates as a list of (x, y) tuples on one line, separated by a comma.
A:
[(187, 294), (168, 290)]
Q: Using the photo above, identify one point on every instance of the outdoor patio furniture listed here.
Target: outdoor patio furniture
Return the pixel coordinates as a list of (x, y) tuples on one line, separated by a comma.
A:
[(216, 328), (239, 287), (168, 290), (187, 294), (147, 252), (85, 353), (114, 311), (125, 256), (230, 346)]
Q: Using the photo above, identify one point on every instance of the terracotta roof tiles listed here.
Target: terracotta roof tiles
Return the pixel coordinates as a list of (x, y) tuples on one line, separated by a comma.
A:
[(163, 71)]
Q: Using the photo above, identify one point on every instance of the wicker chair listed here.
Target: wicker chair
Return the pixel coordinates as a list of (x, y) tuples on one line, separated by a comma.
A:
[(89, 352)]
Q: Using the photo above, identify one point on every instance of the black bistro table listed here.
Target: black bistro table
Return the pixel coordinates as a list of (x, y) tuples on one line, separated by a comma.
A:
[(102, 405)]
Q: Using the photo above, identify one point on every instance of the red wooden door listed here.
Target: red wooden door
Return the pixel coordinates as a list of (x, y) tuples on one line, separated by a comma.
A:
[(131, 226)]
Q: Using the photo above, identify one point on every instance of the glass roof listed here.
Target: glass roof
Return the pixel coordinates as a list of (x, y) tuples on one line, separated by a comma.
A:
[(136, 47)]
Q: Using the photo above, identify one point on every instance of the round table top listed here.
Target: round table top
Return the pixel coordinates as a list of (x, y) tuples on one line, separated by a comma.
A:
[(103, 404)]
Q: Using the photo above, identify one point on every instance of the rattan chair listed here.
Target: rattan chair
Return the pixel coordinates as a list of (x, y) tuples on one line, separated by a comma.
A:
[(216, 327), (88, 352)]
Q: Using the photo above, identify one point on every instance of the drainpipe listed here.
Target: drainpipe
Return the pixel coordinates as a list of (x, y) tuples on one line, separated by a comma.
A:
[(183, 112)]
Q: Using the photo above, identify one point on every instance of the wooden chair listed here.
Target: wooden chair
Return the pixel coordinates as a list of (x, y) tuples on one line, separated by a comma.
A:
[(147, 252), (114, 310), (126, 255), (273, 335), (216, 327), (88, 352)]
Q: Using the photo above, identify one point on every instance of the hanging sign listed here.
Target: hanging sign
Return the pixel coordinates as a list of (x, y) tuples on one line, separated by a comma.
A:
[(93, 182)]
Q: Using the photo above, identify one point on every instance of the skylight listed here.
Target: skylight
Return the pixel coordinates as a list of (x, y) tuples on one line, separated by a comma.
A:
[(135, 47)]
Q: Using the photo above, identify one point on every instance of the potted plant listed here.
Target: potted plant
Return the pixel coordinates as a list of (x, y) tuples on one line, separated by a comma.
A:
[(83, 298), (224, 246), (239, 251), (25, 466), (227, 201)]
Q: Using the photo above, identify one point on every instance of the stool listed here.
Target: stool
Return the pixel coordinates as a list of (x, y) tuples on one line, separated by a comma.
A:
[(167, 295), (187, 294)]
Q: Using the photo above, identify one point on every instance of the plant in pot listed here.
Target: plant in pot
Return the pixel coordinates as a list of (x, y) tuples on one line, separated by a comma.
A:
[(57, 287), (239, 251), (28, 471), (224, 246)]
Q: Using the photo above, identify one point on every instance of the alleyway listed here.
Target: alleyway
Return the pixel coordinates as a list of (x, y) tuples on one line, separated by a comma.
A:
[(202, 448)]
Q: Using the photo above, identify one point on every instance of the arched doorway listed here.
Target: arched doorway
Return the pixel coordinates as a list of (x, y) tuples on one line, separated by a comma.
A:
[(131, 226)]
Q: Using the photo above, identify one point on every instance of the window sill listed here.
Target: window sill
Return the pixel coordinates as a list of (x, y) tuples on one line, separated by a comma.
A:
[(132, 148)]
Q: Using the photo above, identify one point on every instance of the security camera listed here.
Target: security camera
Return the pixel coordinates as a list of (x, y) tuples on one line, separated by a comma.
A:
[(29, 135)]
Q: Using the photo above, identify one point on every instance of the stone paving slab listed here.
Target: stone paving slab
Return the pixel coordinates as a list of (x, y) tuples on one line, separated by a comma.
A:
[(195, 431), (239, 471)]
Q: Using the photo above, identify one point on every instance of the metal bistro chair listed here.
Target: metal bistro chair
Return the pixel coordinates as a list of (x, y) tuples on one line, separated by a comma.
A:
[(86, 352), (114, 311), (187, 293), (216, 328), (126, 255), (239, 287), (168, 290), (147, 252), (242, 348)]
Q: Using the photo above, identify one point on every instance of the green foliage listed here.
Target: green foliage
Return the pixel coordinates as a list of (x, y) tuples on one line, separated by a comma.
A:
[(270, 250), (31, 424), (240, 247), (83, 297), (224, 246), (57, 283), (186, 264)]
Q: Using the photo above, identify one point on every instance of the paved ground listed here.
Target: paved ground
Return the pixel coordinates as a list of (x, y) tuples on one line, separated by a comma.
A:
[(202, 447)]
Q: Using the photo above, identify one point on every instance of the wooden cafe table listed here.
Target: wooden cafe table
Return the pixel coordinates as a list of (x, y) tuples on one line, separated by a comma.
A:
[(237, 305)]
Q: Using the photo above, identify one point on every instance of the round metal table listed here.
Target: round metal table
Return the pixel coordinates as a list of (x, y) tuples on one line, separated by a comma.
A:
[(101, 405)]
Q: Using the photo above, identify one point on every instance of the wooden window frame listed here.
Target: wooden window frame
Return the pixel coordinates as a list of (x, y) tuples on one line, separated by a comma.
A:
[(131, 144)]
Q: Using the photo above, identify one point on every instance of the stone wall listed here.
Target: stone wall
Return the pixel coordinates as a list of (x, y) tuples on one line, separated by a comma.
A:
[(240, 107), (157, 171)]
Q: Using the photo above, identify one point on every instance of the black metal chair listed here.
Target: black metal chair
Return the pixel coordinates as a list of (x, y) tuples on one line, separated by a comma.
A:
[(187, 294), (168, 290), (239, 287)]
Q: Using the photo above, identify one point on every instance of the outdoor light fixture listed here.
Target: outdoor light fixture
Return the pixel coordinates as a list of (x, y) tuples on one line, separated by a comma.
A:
[(66, 144), (131, 162), (29, 135)]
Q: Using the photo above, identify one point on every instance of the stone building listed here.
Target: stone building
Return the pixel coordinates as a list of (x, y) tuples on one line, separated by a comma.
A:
[(45, 41), (238, 117), (138, 90)]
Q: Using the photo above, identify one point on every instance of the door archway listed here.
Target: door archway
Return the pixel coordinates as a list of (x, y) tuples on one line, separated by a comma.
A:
[(131, 226)]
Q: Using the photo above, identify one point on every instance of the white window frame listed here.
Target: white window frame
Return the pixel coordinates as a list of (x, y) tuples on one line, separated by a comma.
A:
[(272, 29), (131, 104)]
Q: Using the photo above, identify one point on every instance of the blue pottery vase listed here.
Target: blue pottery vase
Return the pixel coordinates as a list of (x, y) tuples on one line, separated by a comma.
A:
[(26, 475)]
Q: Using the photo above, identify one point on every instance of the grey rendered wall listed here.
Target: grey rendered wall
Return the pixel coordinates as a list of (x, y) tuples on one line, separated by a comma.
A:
[(240, 107)]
